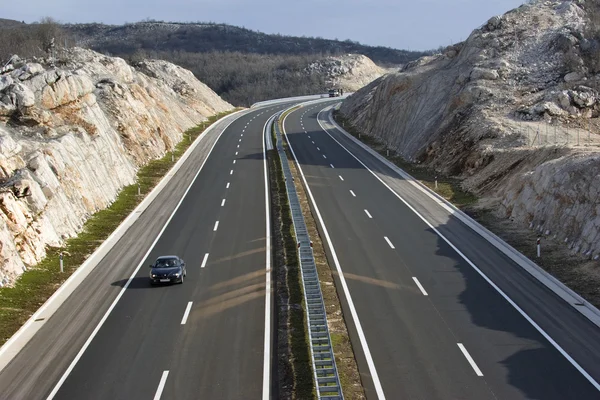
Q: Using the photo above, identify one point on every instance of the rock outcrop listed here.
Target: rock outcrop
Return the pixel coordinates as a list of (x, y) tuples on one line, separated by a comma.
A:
[(72, 136), (479, 110), (349, 72)]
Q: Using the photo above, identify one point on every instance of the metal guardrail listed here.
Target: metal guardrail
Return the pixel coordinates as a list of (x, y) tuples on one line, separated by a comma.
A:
[(323, 360)]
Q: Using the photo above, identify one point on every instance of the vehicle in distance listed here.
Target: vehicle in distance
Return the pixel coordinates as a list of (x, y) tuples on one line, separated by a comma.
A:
[(334, 92), (167, 269)]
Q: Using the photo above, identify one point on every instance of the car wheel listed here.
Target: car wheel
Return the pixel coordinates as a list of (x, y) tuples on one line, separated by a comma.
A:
[(185, 272)]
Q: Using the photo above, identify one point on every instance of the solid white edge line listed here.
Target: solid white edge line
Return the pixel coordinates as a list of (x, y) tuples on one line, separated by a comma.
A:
[(216, 226), (354, 314), (266, 395), (470, 359), (480, 272), (368, 214), (223, 203), (389, 242), (161, 385), (186, 313), (352, 193), (421, 288), (204, 260), (64, 376)]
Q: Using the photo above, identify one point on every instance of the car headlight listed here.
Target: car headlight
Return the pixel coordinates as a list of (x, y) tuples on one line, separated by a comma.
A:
[(153, 275), (176, 274)]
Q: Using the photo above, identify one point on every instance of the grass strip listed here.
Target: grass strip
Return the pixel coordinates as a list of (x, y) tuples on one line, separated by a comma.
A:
[(19, 302)]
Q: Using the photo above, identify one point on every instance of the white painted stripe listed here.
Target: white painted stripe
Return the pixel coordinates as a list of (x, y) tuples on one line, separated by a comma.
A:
[(65, 375), (352, 193), (223, 203), (242, 134), (186, 313), (227, 187), (240, 140), (238, 146), (234, 161), (353, 313), (420, 286), (480, 272), (267, 343), (204, 260), (331, 165), (341, 178), (216, 226), (318, 149), (388, 242), (309, 137), (231, 172), (324, 156), (469, 359), (161, 385), (313, 142), (236, 153), (368, 215)]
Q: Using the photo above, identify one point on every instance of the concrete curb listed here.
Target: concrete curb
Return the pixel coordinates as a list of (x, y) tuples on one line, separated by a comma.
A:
[(12, 347), (560, 289)]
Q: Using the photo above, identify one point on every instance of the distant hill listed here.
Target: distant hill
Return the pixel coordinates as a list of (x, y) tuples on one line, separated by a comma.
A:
[(7, 23), (207, 37)]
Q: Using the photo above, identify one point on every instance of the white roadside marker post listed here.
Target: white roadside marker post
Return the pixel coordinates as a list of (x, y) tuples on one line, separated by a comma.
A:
[(61, 262), (139, 190), (539, 250), (436, 185)]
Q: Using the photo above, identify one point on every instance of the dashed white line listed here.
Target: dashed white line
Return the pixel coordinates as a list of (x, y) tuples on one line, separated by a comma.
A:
[(352, 193), (161, 385), (240, 140), (368, 214), (341, 178), (309, 137), (186, 313), (331, 165), (469, 359), (231, 172), (388, 242), (238, 146), (236, 153), (204, 261), (223, 203), (234, 161), (216, 226), (318, 149), (313, 142), (420, 286), (227, 187), (324, 156)]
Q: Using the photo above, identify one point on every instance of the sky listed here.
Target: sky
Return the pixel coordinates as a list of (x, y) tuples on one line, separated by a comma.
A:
[(401, 24)]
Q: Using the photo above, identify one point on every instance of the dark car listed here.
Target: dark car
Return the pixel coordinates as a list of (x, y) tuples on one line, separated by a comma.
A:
[(167, 269)]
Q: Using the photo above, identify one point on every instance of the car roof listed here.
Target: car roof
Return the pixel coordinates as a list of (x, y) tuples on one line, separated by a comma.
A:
[(167, 258)]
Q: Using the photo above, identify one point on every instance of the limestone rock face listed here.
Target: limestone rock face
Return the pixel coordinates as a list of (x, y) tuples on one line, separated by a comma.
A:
[(504, 112), (77, 135), (349, 72)]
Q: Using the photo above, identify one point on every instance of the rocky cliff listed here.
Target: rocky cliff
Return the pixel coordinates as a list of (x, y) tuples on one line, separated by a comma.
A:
[(349, 72), (72, 135), (509, 111)]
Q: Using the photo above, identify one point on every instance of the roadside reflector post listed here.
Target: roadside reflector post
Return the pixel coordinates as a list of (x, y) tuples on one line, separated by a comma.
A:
[(388, 152), (139, 190), (61, 262), (172, 157), (539, 250), (436, 185)]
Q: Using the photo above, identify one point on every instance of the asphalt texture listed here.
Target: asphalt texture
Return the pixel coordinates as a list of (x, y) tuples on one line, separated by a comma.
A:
[(219, 352), (414, 338)]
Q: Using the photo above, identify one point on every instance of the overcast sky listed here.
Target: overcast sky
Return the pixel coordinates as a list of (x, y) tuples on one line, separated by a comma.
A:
[(402, 24)]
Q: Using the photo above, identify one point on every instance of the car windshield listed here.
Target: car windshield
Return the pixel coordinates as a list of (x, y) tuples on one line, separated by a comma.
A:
[(166, 263)]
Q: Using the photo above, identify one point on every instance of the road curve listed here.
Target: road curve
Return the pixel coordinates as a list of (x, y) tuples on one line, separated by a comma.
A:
[(202, 339), (433, 326)]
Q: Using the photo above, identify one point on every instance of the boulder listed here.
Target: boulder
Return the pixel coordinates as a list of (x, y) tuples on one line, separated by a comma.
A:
[(573, 77), (564, 99), (583, 99), (485, 74)]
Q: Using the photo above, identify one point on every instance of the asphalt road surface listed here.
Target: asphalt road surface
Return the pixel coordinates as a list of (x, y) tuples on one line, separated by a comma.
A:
[(434, 327), (203, 339)]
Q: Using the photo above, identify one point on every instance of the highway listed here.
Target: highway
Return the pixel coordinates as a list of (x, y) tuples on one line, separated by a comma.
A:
[(116, 337), (426, 324)]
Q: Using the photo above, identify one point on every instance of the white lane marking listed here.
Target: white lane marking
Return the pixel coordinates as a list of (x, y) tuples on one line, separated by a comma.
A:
[(242, 135), (216, 226), (65, 375), (238, 146), (161, 385), (240, 140), (324, 156), (368, 214), (223, 203), (388, 242), (341, 178), (469, 359), (243, 130), (267, 343), (420, 286), (352, 193), (353, 313), (227, 187), (236, 153), (318, 149), (480, 272), (234, 161), (331, 165), (186, 313), (309, 137), (231, 172), (204, 260), (313, 142)]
